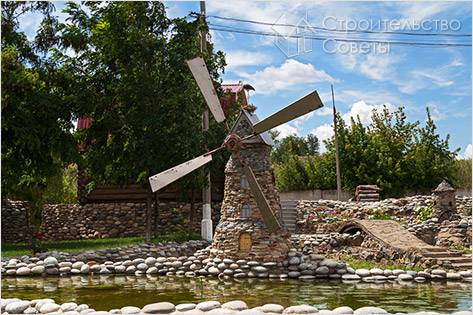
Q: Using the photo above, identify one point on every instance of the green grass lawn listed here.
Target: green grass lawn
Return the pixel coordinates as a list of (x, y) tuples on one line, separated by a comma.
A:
[(20, 249), (367, 264)]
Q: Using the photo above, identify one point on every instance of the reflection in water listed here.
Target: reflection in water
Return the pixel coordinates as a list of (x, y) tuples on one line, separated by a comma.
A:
[(107, 292)]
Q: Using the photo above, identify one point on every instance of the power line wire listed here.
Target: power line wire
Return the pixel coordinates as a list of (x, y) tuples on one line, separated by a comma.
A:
[(304, 36), (337, 30)]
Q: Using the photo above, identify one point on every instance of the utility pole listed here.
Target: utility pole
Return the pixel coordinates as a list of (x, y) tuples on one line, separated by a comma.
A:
[(337, 156), (206, 224)]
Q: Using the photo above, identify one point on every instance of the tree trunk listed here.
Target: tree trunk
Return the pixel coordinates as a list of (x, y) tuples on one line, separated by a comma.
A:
[(149, 201), (192, 210), (156, 214)]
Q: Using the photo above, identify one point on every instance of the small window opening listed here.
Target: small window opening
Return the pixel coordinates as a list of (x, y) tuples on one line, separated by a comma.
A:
[(245, 211), (244, 182)]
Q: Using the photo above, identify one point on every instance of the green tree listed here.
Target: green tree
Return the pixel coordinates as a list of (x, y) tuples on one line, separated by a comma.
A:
[(430, 159), (36, 117), (294, 146), (129, 64)]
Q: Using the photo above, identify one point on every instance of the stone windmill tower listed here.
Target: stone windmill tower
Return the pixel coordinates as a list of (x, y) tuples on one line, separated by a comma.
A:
[(250, 222), (242, 233)]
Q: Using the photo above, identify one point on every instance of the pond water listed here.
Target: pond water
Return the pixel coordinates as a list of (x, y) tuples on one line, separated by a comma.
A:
[(108, 292)]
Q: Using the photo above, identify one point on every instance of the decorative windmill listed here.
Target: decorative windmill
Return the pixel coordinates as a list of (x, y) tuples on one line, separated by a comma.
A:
[(250, 223)]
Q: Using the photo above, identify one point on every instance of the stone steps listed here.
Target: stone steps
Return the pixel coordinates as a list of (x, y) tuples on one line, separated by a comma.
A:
[(462, 259), (289, 214), (462, 266), (442, 254), (434, 249)]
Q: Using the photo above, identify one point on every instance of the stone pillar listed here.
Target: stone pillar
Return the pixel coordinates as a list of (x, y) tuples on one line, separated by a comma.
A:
[(444, 202)]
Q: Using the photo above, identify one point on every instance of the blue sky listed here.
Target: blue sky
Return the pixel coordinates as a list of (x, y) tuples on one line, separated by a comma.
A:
[(395, 75)]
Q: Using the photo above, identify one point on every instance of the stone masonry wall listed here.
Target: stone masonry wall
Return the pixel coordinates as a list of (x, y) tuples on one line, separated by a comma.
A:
[(14, 221), (104, 220)]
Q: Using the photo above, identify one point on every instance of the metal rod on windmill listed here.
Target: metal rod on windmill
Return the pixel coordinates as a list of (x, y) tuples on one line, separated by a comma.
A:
[(337, 153)]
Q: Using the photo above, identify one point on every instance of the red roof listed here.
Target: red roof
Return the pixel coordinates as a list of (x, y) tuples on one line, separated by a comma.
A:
[(84, 123), (233, 87)]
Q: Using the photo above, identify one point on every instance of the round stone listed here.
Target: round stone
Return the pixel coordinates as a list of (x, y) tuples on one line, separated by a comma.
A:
[(130, 310), (64, 270), (49, 308), (130, 269), (450, 276), (104, 271), (376, 272), (239, 275), (343, 310), (142, 266), (185, 307), (17, 307), (397, 272), (159, 308), (77, 265), (369, 310), (37, 270), (150, 261), (50, 261), (293, 274), (23, 271), (322, 270), (300, 309), (120, 269), (30, 310), (66, 307), (405, 277), (85, 269), (351, 277), (260, 269), (235, 305), (363, 272), (439, 273), (208, 305), (272, 308), (294, 261), (214, 271)]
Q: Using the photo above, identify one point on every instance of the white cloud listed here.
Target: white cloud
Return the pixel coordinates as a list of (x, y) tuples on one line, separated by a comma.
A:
[(364, 111), (286, 130), (291, 73), (241, 58), (378, 67), (369, 96), (323, 132), (324, 111), (427, 78), (468, 153)]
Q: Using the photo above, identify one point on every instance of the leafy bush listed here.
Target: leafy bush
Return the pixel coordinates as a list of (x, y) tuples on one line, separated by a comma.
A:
[(391, 152), (424, 213), (379, 214)]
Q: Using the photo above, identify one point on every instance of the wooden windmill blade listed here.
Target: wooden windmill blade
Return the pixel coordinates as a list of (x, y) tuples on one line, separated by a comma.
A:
[(269, 218), (166, 177), (202, 77), (299, 108)]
